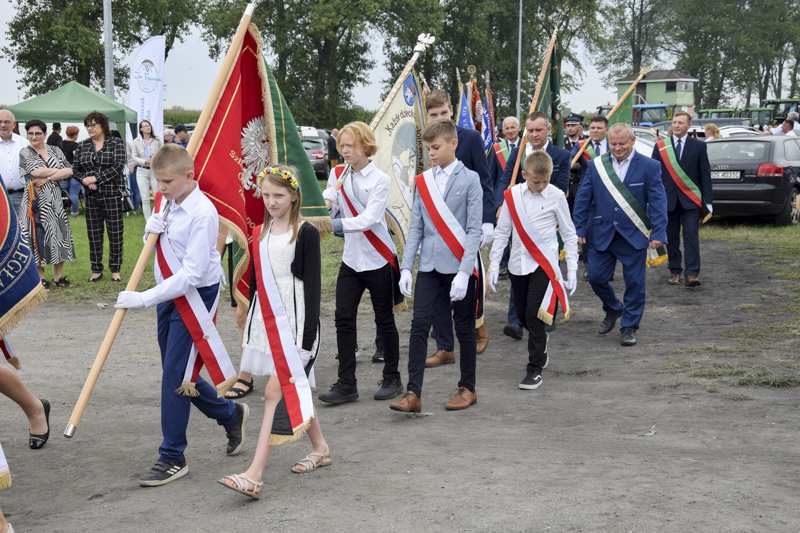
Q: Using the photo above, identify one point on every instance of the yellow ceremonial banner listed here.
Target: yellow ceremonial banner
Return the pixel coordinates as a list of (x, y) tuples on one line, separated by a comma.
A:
[(401, 152)]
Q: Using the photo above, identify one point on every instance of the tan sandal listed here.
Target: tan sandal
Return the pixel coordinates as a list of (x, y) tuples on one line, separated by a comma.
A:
[(241, 485), (310, 464)]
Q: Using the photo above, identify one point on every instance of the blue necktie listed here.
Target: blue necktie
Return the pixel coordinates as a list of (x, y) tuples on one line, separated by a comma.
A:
[(678, 150)]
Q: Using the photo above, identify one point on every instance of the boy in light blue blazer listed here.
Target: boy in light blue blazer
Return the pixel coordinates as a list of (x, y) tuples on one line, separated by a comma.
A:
[(446, 227)]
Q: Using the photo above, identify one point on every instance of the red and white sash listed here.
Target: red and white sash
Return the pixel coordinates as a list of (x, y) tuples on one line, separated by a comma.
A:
[(291, 372), (541, 252), (208, 348), (379, 238), (5, 347), (449, 228)]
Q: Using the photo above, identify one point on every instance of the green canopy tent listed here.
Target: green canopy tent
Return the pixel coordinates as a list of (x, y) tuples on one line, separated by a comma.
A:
[(71, 103)]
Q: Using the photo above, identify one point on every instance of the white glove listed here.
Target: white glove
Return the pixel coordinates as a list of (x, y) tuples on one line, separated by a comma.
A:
[(458, 289), (488, 234), (305, 355), (405, 282), (572, 282), (155, 224), (129, 300), (223, 280), (492, 280)]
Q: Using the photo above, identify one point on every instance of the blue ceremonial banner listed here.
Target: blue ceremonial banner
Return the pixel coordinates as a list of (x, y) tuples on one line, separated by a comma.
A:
[(488, 128), (464, 117), (20, 288)]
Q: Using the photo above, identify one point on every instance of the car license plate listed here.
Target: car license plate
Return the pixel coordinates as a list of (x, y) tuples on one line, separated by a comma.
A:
[(725, 175)]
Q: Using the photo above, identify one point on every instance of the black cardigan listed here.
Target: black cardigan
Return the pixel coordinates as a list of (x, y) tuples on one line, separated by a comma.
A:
[(307, 267)]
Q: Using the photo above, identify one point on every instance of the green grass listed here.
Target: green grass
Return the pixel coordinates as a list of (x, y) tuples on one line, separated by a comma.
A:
[(723, 370), (182, 116), (755, 232), (79, 270)]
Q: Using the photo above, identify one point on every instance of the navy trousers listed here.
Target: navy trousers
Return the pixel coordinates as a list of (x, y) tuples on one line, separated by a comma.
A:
[(427, 296), (601, 265), (176, 344), (690, 218)]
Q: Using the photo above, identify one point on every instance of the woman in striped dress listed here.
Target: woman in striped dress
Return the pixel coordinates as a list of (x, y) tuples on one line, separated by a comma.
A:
[(46, 225)]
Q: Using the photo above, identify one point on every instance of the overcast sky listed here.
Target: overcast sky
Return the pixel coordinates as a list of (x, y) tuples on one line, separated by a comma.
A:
[(190, 74)]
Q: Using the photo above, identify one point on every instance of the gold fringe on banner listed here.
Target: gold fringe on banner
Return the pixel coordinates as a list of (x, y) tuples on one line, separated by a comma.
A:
[(15, 363), (5, 479), (223, 387), (9, 321), (297, 433)]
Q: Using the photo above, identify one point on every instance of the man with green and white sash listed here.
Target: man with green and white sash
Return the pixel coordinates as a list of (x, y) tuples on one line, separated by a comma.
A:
[(628, 217)]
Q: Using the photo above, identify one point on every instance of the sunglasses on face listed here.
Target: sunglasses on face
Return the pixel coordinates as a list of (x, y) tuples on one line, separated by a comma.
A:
[(35, 134)]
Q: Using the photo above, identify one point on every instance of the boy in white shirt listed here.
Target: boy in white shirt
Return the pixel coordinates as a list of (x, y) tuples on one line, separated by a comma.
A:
[(369, 261), (531, 212), (188, 270)]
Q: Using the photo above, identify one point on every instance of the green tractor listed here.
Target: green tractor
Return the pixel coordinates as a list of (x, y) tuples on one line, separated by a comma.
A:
[(760, 117), (716, 113), (781, 107)]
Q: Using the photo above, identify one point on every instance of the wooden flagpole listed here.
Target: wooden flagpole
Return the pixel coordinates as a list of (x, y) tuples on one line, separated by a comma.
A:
[(545, 66), (644, 72), (111, 334), (136, 276), (423, 42)]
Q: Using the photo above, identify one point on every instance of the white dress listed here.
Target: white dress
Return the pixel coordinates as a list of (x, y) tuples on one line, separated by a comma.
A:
[(256, 353)]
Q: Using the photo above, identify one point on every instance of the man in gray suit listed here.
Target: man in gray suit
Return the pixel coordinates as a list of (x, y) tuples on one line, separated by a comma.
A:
[(447, 260)]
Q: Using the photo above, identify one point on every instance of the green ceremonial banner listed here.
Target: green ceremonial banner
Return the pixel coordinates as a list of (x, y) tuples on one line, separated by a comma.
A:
[(625, 112), (291, 152), (549, 100)]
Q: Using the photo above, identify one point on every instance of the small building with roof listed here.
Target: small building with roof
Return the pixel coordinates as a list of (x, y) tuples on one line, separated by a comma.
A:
[(662, 86)]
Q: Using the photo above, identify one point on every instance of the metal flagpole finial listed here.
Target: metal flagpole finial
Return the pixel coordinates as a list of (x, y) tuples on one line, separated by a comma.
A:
[(458, 75), (424, 41), (645, 71), (471, 70), (487, 78)]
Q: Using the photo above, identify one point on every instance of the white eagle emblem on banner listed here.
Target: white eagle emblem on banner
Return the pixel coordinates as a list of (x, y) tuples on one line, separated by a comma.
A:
[(255, 153)]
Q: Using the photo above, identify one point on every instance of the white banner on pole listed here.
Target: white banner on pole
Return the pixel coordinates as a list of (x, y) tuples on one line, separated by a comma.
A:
[(146, 92)]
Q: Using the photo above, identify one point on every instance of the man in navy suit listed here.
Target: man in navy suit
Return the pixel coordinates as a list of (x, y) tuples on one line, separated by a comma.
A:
[(619, 228), (537, 128), (692, 157)]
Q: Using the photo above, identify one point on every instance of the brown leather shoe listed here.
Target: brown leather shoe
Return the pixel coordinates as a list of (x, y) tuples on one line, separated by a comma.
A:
[(442, 357), (674, 279), (463, 399), (481, 338), (692, 281), (409, 403)]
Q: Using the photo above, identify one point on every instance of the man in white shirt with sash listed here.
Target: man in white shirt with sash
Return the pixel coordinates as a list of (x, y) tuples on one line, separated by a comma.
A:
[(629, 216), (534, 209), (10, 145)]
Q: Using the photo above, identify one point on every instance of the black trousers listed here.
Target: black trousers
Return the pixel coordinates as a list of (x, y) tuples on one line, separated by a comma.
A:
[(690, 219), (528, 294), (106, 210), (350, 287), (430, 286)]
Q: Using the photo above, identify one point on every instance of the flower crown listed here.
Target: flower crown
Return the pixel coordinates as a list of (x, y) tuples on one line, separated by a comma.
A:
[(285, 174)]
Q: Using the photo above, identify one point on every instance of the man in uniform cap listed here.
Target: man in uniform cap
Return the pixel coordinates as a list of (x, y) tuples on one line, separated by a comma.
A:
[(574, 131)]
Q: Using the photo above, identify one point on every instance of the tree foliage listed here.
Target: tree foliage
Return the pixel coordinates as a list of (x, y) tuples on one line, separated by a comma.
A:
[(631, 37), (53, 42)]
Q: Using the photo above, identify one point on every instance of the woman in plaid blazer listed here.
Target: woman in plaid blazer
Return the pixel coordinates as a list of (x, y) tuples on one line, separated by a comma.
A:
[(99, 165)]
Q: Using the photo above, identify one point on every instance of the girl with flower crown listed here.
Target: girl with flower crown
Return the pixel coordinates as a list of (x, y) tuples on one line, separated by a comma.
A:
[(281, 336)]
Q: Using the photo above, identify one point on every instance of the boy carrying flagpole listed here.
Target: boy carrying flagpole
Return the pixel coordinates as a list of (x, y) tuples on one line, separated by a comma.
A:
[(188, 270)]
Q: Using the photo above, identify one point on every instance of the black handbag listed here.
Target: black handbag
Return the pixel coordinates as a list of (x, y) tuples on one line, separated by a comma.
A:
[(125, 196), (66, 200)]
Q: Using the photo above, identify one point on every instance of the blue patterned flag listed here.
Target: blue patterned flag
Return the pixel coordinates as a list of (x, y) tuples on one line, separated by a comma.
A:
[(20, 288), (464, 118), (488, 128)]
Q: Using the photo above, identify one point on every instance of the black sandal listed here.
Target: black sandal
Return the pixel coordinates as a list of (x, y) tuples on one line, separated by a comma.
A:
[(63, 282), (37, 441), (46, 285), (98, 278), (240, 393), (116, 280)]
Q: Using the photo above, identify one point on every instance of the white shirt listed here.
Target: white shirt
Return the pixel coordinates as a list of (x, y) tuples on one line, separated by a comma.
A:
[(371, 188), (192, 229), (600, 149), (675, 140), (442, 175), (779, 131), (9, 161), (545, 211), (621, 167), (512, 145)]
